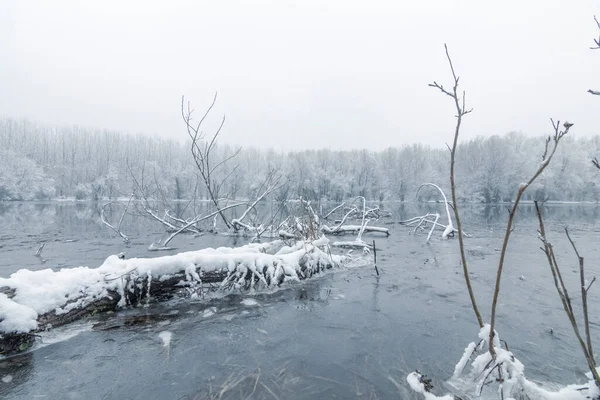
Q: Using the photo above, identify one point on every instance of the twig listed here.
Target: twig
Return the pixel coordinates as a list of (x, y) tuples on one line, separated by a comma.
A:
[(38, 253), (375, 257), (584, 304)]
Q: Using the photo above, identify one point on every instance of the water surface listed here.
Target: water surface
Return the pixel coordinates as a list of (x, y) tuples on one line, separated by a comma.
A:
[(347, 334)]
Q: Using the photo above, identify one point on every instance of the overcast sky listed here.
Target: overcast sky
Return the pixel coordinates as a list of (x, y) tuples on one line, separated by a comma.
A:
[(301, 74)]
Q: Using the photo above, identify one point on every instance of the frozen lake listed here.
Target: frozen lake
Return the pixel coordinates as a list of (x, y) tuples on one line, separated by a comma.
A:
[(347, 334)]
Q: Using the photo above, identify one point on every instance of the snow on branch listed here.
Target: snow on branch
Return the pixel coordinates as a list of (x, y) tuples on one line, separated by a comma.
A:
[(449, 230), (479, 374), (365, 214)]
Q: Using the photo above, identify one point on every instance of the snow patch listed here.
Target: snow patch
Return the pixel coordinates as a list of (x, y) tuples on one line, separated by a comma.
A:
[(15, 317), (249, 302), (209, 312), (166, 337), (414, 381)]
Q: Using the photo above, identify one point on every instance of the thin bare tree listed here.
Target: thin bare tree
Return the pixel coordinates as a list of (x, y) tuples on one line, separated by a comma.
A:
[(461, 111), (565, 299), (549, 151)]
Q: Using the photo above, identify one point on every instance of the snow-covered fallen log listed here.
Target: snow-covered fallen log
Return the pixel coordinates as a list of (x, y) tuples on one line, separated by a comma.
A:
[(32, 301), (353, 229)]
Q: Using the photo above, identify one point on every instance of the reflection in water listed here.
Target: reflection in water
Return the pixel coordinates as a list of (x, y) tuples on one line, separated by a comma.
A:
[(347, 334), (14, 372)]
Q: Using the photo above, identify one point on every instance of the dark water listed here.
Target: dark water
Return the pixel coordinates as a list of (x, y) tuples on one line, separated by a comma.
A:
[(347, 334)]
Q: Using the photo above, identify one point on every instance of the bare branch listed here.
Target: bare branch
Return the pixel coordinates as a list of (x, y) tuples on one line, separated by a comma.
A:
[(596, 41), (596, 47), (564, 295), (590, 285), (271, 184), (572, 244), (117, 230), (547, 157), (584, 304)]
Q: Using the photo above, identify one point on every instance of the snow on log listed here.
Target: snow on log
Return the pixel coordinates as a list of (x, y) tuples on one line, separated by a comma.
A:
[(353, 229), (32, 301)]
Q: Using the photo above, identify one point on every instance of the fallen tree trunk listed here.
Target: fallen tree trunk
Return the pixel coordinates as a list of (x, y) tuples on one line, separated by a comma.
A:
[(33, 301)]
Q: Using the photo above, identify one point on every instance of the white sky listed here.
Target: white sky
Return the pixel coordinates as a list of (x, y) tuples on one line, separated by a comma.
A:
[(305, 74)]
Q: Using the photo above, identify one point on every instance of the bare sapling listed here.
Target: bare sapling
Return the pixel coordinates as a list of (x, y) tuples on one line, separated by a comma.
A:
[(497, 364), (551, 145), (565, 299), (461, 111)]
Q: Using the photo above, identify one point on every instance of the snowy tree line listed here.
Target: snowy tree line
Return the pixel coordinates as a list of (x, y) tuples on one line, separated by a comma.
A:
[(40, 162)]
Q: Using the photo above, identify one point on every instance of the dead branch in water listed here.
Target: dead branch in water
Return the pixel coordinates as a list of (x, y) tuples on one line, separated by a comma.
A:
[(118, 230), (364, 213), (449, 229)]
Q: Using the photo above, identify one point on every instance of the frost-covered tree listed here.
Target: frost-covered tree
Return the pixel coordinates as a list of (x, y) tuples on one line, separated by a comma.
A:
[(22, 179), (90, 164)]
